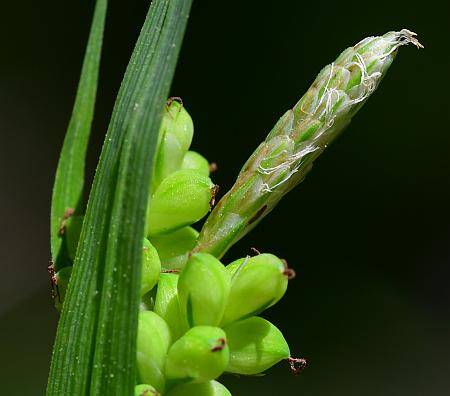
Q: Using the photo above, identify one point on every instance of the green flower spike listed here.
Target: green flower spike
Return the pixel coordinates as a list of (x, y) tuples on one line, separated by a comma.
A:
[(210, 388), (194, 160), (287, 154), (203, 289), (151, 267), (256, 283), (153, 341), (255, 345), (174, 248), (145, 390), (166, 304), (176, 134), (182, 199), (200, 355)]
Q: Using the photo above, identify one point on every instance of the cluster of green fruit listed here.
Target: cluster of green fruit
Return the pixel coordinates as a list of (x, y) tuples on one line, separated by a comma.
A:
[(198, 317), (200, 322)]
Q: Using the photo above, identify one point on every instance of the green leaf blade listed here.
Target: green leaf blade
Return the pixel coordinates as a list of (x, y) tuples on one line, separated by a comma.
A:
[(94, 351), (69, 178), (116, 336)]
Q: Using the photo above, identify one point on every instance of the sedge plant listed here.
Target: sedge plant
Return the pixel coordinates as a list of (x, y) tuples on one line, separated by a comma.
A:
[(147, 306)]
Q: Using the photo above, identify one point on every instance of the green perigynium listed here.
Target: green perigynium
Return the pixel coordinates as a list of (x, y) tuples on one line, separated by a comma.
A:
[(174, 248), (255, 345), (198, 317), (182, 192), (151, 267), (153, 342), (183, 198), (194, 160), (202, 305), (257, 283), (175, 137), (200, 355), (167, 306)]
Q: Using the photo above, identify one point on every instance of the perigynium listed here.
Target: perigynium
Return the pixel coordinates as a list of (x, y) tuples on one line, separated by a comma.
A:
[(198, 316)]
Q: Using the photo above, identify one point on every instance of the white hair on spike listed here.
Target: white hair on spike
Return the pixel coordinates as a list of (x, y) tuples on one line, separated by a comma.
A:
[(327, 95), (368, 81), (289, 161), (325, 92), (330, 104), (293, 159), (268, 171)]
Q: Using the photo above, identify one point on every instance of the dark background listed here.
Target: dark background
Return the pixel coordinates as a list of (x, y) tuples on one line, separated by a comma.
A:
[(368, 232)]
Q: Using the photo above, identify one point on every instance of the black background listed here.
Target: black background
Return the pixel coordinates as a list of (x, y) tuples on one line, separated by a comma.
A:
[(368, 232)]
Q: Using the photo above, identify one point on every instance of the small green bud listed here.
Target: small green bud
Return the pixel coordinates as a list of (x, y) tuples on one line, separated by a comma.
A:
[(145, 390), (174, 248), (151, 267), (195, 161), (210, 388), (182, 199), (255, 345), (153, 341), (72, 229), (256, 283), (176, 134), (166, 305), (200, 355), (203, 289)]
